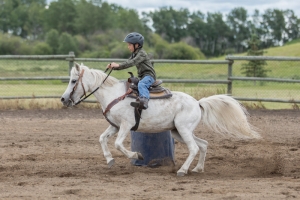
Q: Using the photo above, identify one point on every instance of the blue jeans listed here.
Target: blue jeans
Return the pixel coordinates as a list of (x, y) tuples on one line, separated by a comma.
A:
[(144, 85)]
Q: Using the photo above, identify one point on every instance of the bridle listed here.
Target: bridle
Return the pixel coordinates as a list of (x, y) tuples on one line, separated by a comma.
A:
[(76, 85), (84, 93)]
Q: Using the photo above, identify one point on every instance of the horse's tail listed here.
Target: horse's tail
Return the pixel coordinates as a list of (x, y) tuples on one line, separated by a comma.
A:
[(223, 114)]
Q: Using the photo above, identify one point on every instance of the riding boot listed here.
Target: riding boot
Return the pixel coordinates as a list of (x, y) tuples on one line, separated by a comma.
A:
[(141, 103), (144, 102)]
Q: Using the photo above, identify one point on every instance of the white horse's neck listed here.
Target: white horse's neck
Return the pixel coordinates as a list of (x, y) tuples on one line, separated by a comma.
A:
[(109, 90)]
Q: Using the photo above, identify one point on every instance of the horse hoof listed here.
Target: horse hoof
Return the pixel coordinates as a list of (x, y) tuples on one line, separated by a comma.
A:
[(197, 170), (111, 163), (140, 156), (180, 173)]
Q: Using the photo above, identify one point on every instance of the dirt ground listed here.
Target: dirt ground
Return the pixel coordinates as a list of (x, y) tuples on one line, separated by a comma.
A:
[(55, 154)]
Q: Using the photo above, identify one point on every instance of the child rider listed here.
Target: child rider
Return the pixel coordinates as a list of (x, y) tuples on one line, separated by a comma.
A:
[(141, 60)]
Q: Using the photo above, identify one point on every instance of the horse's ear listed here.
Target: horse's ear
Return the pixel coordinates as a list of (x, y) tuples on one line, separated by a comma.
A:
[(77, 66)]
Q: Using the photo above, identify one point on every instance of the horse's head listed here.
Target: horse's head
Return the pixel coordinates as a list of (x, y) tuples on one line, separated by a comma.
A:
[(78, 85)]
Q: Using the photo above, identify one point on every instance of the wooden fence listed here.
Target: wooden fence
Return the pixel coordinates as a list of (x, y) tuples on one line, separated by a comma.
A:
[(229, 62)]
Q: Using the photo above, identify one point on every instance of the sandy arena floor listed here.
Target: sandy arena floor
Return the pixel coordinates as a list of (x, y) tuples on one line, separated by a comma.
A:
[(55, 154)]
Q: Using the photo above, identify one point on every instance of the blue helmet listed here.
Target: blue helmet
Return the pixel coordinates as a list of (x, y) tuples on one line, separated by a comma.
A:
[(134, 38)]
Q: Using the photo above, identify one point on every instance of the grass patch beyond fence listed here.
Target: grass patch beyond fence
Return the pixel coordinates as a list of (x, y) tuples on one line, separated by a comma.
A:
[(198, 91), (31, 68)]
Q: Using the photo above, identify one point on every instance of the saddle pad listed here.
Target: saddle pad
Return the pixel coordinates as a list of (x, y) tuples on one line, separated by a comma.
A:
[(161, 95), (166, 93)]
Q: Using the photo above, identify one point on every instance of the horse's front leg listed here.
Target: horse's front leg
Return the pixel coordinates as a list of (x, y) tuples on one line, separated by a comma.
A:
[(110, 131), (123, 132)]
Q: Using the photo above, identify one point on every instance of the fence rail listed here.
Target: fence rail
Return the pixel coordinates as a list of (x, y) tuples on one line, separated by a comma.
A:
[(264, 79), (62, 78), (71, 56), (230, 62), (273, 58)]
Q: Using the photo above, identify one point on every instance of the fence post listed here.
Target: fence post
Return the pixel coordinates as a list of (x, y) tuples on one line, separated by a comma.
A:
[(229, 85), (71, 62)]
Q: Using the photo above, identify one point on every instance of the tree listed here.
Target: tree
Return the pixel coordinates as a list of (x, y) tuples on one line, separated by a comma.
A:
[(12, 17), (254, 68), (34, 23), (66, 44), (292, 25), (61, 16), (197, 29), (86, 12), (217, 34), (93, 16), (255, 25), (52, 39), (129, 21), (239, 25), (21, 17), (274, 27), (170, 24)]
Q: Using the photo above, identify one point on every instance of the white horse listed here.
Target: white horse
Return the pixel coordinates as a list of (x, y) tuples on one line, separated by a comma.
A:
[(181, 114)]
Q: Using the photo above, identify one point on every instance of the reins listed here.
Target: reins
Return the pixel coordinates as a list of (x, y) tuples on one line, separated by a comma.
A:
[(107, 74), (86, 96)]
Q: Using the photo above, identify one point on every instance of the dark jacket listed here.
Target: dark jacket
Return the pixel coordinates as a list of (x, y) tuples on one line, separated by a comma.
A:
[(142, 62)]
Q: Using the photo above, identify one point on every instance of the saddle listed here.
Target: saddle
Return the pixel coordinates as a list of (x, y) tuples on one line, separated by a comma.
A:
[(156, 90)]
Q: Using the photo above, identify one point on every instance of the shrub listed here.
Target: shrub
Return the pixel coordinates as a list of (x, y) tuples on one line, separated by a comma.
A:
[(120, 51), (12, 45), (66, 44), (42, 48), (52, 39), (95, 54), (82, 43), (183, 51)]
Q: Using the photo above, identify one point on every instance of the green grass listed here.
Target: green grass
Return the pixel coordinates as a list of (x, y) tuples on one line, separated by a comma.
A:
[(198, 91), (293, 42), (25, 104), (291, 50), (32, 68), (32, 89)]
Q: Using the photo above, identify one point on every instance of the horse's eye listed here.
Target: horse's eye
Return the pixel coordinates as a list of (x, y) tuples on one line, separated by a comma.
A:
[(74, 81)]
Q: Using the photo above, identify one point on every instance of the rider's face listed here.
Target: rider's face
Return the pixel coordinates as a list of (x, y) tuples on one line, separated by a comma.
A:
[(131, 47)]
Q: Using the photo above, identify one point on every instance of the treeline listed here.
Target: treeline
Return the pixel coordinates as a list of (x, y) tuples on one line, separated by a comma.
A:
[(94, 28)]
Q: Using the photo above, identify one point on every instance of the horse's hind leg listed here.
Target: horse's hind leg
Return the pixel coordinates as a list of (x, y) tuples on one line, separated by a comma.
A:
[(202, 144), (110, 131), (176, 136), (187, 138)]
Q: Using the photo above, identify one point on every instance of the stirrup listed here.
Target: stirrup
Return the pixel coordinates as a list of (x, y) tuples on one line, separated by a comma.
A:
[(135, 104), (138, 105)]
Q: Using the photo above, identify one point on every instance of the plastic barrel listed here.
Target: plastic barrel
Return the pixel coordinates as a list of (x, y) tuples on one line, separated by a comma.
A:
[(156, 148)]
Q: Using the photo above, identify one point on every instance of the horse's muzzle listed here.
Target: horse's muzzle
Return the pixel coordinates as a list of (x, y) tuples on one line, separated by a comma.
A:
[(66, 102)]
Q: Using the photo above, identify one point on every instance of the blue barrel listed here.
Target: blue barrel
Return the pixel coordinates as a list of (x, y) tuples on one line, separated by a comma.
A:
[(156, 148)]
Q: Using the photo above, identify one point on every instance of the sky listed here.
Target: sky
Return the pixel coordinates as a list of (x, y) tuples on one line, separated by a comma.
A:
[(223, 6)]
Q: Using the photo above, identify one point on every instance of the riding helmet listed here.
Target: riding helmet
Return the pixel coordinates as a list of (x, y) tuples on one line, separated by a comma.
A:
[(134, 38)]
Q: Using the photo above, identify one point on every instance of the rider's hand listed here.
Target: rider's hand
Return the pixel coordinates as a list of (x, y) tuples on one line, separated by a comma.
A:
[(108, 66), (113, 65)]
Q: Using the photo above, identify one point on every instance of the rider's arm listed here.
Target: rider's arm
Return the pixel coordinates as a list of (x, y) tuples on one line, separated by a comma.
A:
[(139, 58)]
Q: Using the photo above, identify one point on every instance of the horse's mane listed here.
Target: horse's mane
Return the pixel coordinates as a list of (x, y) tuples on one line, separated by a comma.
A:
[(99, 76)]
